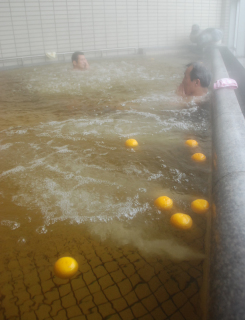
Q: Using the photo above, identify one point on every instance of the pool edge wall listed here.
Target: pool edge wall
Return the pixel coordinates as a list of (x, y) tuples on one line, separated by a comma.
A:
[(227, 251)]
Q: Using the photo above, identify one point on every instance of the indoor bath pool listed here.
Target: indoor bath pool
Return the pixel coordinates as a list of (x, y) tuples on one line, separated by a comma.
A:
[(70, 187)]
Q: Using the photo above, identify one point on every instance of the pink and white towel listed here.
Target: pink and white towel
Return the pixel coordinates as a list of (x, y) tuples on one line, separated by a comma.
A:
[(225, 83)]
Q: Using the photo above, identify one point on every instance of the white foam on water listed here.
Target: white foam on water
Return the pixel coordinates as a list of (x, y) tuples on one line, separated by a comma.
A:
[(146, 115), (101, 76), (11, 224), (13, 132), (41, 230), (5, 146), (178, 176), (77, 168), (34, 146), (65, 185), (60, 200), (63, 149), (92, 132), (12, 171), (155, 176), (37, 163), (21, 240)]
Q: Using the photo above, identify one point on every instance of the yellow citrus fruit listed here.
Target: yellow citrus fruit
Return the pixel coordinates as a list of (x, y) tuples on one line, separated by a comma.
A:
[(131, 143), (199, 157), (65, 267), (181, 221), (200, 206), (164, 203), (191, 143)]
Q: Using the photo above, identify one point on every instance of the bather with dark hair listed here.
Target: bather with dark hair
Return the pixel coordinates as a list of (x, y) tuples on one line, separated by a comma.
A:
[(79, 61), (196, 80), (205, 38)]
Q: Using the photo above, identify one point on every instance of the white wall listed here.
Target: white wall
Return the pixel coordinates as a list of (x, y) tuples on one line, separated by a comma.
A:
[(31, 27)]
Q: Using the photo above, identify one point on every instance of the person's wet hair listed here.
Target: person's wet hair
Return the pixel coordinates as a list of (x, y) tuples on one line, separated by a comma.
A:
[(199, 71), (75, 55)]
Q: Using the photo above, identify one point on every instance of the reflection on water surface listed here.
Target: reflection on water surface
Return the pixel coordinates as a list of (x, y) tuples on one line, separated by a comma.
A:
[(70, 187)]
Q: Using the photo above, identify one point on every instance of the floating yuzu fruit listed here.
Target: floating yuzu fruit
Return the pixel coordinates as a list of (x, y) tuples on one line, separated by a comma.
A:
[(199, 157), (164, 203), (181, 221), (191, 143), (200, 206), (131, 143), (65, 267)]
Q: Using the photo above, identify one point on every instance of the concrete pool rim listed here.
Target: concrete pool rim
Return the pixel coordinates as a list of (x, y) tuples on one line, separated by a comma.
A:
[(227, 259)]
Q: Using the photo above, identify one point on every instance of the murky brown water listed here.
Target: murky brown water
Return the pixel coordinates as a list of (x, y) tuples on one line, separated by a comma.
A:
[(70, 187)]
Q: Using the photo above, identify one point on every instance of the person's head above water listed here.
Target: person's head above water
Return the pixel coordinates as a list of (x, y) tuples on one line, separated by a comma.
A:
[(196, 80), (79, 61)]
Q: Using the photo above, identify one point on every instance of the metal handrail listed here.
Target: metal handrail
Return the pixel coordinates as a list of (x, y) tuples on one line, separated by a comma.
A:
[(64, 53)]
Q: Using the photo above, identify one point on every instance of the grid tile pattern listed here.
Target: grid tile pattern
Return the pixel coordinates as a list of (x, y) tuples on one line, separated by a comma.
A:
[(112, 283), (31, 27)]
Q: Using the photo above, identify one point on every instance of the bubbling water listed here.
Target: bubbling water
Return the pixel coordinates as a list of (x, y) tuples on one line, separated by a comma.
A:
[(66, 159)]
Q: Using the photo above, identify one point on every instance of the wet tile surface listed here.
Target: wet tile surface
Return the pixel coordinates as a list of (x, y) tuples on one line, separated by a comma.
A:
[(112, 283)]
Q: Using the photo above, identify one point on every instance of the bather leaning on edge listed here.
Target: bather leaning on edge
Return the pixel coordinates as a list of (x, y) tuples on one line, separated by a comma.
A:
[(196, 80)]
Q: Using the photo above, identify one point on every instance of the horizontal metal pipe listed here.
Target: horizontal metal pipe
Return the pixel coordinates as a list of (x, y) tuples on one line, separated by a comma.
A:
[(63, 53)]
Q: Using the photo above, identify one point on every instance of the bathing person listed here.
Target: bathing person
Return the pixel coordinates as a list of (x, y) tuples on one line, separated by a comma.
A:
[(196, 81), (79, 61), (205, 38)]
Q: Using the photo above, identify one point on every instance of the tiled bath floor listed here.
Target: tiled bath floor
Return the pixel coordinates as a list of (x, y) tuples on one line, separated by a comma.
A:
[(112, 283)]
